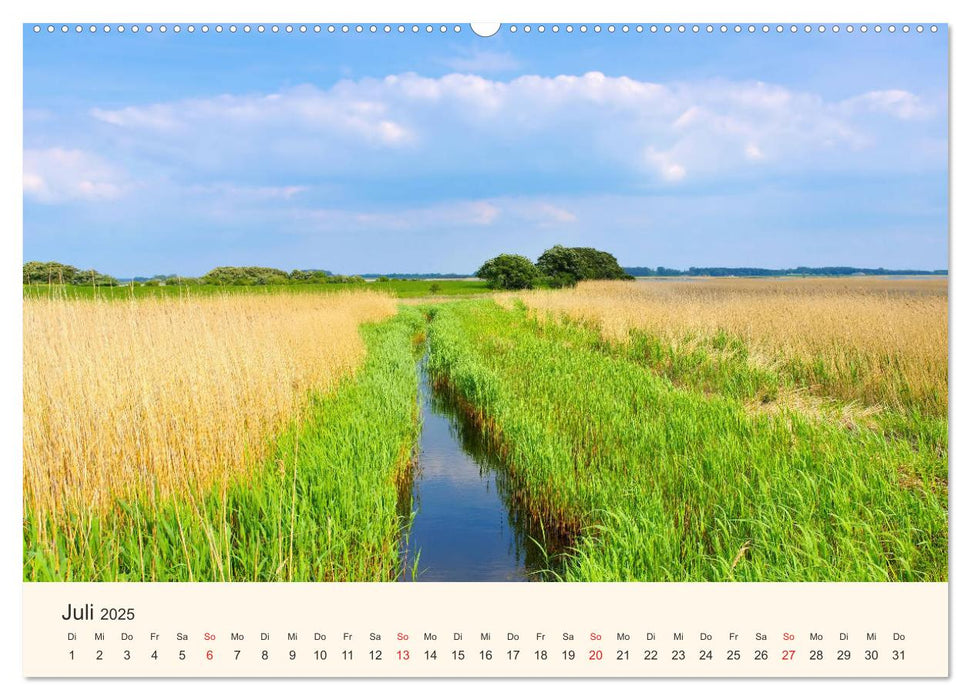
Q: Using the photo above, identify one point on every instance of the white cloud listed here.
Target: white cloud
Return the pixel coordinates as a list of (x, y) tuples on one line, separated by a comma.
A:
[(248, 192), (665, 166), (552, 214), (897, 103), (56, 175), (522, 212), (483, 213), (753, 152), (304, 108), (566, 124)]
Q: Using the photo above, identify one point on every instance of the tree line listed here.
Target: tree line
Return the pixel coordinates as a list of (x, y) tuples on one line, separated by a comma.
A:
[(59, 273), (251, 276), (557, 267)]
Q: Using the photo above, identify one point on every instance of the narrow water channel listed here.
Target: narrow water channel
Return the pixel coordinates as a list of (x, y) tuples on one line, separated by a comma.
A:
[(464, 528)]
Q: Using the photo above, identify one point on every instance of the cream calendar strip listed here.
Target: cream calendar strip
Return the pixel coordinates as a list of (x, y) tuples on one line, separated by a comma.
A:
[(456, 629)]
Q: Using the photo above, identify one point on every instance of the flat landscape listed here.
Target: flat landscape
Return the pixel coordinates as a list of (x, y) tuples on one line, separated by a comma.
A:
[(693, 429)]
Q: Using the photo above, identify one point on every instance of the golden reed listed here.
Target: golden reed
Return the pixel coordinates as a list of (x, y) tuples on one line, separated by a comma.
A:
[(163, 396), (877, 340)]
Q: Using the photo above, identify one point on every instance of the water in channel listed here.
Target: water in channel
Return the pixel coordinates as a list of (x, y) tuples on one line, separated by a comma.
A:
[(465, 528)]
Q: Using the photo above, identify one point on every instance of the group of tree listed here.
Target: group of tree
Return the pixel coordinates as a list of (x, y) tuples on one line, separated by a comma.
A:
[(832, 271), (252, 276), (58, 273), (557, 267)]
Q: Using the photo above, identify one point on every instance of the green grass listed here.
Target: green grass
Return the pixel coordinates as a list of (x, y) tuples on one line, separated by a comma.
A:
[(324, 507), (400, 288), (720, 365), (663, 480)]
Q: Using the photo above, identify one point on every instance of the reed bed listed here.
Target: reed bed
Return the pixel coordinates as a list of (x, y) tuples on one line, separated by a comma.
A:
[(203, 439), (661, 482), (874, 341), (163, 396)]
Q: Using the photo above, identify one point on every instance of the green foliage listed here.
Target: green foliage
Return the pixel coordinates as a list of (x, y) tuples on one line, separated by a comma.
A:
[(245, 276), (508, 272), (558, 281), (312, 276), (562, 265), (265, 276), (59, 273), (560, 262)]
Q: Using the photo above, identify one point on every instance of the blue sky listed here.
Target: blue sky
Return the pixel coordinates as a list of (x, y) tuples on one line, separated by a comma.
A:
[(165, 153)]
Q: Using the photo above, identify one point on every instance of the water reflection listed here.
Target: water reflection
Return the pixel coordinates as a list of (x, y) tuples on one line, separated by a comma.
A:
[(468, 526)]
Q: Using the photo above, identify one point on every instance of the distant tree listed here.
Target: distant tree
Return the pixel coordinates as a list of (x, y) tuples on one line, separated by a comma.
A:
[(508, 272), (566, 266), (93, 278), (560, 262), (59, 273), (599, 265), (434, 288), (309, 276), (245, 276)]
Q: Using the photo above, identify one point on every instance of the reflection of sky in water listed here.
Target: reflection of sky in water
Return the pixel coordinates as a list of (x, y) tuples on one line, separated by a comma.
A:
[(462, 529)]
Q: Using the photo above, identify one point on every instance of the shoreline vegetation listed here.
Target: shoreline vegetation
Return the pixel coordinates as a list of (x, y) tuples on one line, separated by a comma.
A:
[(781, 429)]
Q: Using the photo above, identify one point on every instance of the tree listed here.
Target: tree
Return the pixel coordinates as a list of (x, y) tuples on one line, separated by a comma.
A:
[(567, 266), (599, 265), (245, 276), (560, 263), (508, 272)]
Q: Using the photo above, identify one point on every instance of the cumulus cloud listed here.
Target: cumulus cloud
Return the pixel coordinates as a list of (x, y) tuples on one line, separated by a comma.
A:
[(461, 122), (305, 109), (55, 175)]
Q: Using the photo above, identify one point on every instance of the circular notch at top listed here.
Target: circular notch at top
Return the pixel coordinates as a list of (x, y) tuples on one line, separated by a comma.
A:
[(485, 28)]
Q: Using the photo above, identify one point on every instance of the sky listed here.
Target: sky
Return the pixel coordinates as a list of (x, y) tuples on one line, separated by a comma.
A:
[(151, 153)]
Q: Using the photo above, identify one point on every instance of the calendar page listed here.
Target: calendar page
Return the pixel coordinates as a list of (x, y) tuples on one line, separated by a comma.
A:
[(545, 349)]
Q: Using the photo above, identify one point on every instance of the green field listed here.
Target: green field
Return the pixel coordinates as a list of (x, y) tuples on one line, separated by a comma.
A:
[(404, 289)]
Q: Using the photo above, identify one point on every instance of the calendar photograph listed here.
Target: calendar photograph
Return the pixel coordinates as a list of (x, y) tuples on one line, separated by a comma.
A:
[(536, 303)]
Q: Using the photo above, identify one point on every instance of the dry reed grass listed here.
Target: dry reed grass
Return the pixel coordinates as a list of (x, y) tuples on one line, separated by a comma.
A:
[(165, 396), (872, 340)]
